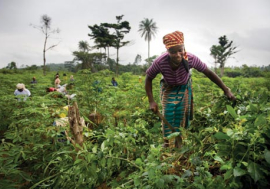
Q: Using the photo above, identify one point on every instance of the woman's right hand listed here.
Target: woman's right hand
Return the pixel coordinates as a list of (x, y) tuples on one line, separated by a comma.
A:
[(154, 106)]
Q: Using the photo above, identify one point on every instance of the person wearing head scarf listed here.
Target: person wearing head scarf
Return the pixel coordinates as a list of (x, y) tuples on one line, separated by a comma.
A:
[(21, 92), (176, 85)]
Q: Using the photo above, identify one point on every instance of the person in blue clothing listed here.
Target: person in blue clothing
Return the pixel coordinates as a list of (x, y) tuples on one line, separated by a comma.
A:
[(34, 80), (114, 83), (97, 87)]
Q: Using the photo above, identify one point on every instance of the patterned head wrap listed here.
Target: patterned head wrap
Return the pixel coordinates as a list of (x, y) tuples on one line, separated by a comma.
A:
[(173, 39)]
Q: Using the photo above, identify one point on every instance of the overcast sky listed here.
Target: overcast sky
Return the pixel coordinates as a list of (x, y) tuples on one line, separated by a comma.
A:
[(244, 22)]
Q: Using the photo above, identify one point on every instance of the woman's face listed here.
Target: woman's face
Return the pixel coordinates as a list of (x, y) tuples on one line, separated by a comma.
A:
[(176, 53)]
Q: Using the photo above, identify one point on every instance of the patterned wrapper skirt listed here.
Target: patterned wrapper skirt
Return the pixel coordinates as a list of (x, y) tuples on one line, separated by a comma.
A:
[(177, 104)]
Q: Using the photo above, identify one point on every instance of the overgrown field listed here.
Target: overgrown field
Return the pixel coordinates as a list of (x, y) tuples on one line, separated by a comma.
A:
[(226, 146)]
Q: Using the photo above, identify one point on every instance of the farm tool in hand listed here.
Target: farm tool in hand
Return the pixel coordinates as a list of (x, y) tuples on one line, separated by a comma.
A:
[(178, 139)]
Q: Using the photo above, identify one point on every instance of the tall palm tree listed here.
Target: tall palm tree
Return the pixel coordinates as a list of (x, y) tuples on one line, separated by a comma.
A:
[(148, 29), (84, 46)]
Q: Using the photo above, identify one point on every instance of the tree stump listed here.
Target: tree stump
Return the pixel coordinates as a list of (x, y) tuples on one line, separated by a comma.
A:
[(76, 125), (95, 119)]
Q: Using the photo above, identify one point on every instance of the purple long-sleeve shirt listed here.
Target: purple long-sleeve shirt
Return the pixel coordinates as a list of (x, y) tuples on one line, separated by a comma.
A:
[(174, 77)]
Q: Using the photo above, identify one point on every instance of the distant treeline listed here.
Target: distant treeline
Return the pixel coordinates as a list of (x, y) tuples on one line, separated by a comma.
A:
[(243, 71)]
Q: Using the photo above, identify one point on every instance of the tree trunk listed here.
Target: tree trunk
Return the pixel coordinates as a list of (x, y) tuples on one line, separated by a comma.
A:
[(215, 66), (108, 52), (44, 57), (221, 70), (148, 49), (76, 125), (117, 59)]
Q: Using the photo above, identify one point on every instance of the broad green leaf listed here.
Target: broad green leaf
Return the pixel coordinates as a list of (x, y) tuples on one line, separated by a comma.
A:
[(168, 178), (151, 173), (88, 157), (103, 146), (254, 171), (253, 107), (109, 163), (228, 174), (230, 132), (260, 121), (267, 156), (226, 166), (138, 161), (118, 161), (103, 162), (94, 149), (23, 155), (145, 174), (77, 161), (160, 183), (137, 181), (238, 172), (217, 158), (220, 135), (173, 135), (187, 173), (231, 111)]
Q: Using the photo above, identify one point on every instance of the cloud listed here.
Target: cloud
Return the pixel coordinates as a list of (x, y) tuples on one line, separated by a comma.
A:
[(255, 39), (203, 22)]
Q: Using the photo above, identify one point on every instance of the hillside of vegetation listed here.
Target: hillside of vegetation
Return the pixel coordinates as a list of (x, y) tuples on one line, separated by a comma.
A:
[(226, 146)]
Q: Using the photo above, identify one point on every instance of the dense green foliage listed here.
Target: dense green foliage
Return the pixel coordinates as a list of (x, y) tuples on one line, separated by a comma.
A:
[(226, 146)]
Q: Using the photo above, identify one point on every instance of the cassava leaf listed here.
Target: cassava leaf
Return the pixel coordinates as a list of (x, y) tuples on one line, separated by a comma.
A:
[(260, 120), (220, 135), (238, 172), (217, 158), (267, 156), (254, 171), (231, 111)]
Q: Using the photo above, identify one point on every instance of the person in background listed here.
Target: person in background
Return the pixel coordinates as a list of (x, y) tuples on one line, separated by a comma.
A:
[(71, 79), (71, 82), (65, 77), (140, 79), (51, 89), (21, 92), (34, 80), (57, 82), (61, 90), (175, 88), (96, 86), (114, 83)]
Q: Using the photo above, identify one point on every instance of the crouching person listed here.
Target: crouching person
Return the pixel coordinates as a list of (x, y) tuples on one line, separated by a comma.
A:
[(21, 92)]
